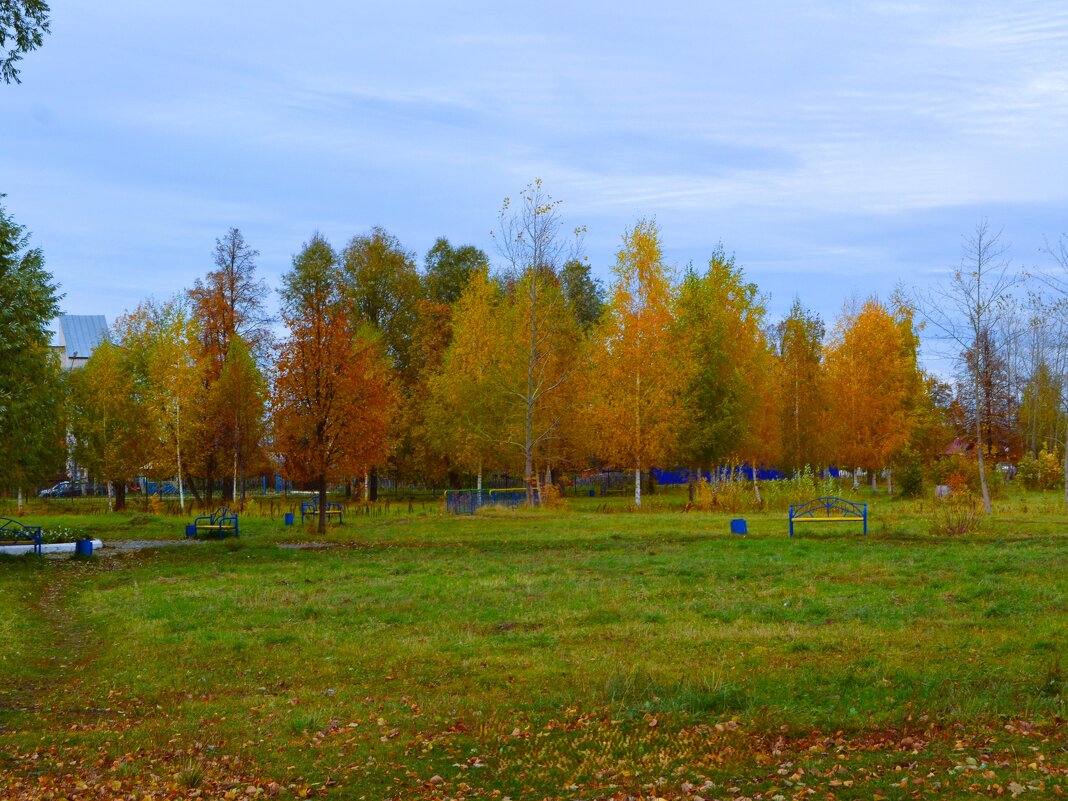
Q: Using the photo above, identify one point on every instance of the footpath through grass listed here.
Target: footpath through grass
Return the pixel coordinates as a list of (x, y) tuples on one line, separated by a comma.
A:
[(567, 654)]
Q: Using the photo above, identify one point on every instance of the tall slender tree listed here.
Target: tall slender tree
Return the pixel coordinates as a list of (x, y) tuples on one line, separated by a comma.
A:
[(802, 388), (530, 239), (966, 311), (228, 303), (637, 401)]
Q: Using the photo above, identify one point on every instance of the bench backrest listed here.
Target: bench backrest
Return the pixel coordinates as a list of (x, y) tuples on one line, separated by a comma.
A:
[(828, 507), (17, 530)]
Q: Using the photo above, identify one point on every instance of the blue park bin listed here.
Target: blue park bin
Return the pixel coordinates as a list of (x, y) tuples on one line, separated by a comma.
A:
[(738, 526), (289, 518), (83, 547), (191, 530)]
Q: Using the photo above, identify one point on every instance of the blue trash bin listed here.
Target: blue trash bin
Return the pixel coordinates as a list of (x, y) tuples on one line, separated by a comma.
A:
[(593, 493), (83, 547), (738, 527), (289, 518), (191, 530)]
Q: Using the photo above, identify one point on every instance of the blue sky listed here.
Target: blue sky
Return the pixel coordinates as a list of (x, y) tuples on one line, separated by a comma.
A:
[(836, 148)]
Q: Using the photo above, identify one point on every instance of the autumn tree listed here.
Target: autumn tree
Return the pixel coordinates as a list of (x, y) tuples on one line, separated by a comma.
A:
[(241, 393), (965, 312), (230, 301), (990, 416), (228, 304), (637, 399), (1056, 277), (871, 381), (466, 406), (333, 395), (161, 343), (537, 342), (799, 346), (111, 426), (31, 391), (383, 289), (720, 329)]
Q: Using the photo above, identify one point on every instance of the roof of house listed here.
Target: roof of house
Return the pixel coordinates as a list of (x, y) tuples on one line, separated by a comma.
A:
[(79, 334)]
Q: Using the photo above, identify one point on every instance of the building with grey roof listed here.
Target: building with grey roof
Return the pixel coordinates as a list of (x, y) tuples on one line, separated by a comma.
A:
[(75, 337)]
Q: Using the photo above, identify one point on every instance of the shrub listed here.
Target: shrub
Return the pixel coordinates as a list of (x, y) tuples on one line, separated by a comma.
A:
[(908, 469), (956, 515), (1041, 472)]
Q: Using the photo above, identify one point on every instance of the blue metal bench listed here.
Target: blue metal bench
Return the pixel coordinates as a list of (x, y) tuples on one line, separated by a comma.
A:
[(311, 508), (17, 533), (829, 510), (222, 522)]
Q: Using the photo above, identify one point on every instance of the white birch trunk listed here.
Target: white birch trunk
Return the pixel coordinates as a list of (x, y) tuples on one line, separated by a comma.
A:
[(638, 485), (20, 500), (889, 482), (235, 477), (856, 479), (367, 484), (478, 485), (178, 451), (756, 487), (111, 496)]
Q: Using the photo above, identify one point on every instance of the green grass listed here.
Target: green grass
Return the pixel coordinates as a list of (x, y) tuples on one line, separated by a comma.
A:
[(559, 654)]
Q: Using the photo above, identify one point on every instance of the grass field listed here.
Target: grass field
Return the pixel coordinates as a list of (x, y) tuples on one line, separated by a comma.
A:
[(571, 653)]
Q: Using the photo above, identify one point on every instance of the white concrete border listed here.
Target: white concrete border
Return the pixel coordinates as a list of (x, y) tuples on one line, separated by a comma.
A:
[(48, 547)]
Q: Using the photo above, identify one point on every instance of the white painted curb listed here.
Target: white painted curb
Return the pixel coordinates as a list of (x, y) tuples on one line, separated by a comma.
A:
[(48, 547)]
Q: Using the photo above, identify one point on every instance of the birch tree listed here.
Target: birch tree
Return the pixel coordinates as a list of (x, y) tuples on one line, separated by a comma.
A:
[(638, 384), (530, 239), (965, 312)]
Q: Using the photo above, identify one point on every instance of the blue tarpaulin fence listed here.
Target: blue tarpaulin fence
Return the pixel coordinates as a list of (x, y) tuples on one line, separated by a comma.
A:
[(745, 471)]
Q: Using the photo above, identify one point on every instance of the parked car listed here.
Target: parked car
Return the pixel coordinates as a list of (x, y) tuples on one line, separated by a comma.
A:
[(70, 489), (64, 489)]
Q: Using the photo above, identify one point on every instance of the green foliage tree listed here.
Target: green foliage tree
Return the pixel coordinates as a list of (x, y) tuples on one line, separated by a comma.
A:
[(585, 294), (448, 269), (802, 388), (720, 325), (31, 390), (23, 24), (383, 288)]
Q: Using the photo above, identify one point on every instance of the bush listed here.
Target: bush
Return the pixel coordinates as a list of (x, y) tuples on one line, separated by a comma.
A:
[(908, 470), (1042, 472), (956, 515), (961, 472)]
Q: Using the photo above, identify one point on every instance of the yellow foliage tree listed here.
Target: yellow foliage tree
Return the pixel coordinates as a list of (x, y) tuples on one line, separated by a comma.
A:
[(636, 384), (872, 375)]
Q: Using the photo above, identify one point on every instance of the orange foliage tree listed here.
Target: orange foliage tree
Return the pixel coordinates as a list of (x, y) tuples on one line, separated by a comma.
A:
[(636, 385), (872, 377), (334, 394), (228, 304)]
